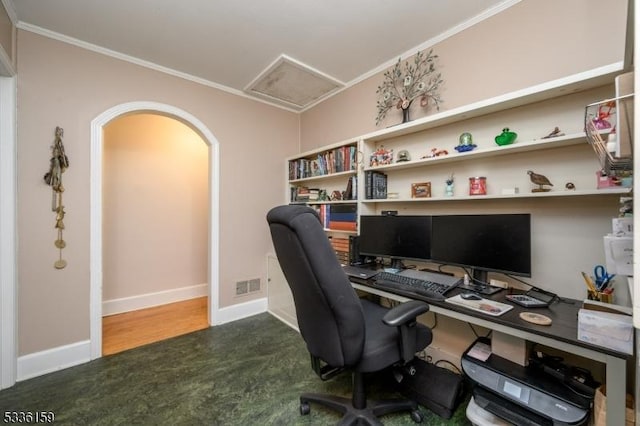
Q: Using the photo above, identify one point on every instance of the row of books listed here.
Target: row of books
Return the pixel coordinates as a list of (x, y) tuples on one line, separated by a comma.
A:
[(337, 160), (339, 217), (303, 194), (341, 247), (375, 186)]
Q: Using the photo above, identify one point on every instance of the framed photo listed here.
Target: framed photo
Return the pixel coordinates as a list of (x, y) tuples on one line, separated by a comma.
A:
[(421, 190)]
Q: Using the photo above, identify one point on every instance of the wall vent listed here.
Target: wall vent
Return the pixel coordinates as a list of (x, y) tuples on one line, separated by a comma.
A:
[(254, 285), (242, 287), (247, 286)]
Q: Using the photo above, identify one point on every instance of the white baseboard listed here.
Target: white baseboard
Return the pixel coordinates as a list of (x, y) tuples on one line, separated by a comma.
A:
[(242, 310), (142, 301), (50, 360)]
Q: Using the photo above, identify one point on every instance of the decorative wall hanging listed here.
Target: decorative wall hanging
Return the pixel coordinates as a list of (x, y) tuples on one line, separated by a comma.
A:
[(403, 86), (57, 165)]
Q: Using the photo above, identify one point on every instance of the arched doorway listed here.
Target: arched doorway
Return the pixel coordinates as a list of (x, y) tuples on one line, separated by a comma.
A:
[(96, 254)]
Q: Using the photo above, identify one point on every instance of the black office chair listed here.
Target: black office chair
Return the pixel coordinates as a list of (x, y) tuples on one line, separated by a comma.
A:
[(341, 330)]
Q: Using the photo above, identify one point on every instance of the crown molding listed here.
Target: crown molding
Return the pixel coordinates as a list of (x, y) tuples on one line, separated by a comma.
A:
[(137, 61)]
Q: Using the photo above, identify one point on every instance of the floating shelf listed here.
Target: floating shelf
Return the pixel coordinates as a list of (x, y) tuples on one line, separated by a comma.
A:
[(574, 83), (613, 191), (534, 145)]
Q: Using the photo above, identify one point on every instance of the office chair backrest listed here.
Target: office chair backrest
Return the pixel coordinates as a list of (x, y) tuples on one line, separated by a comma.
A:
[(329, 312)]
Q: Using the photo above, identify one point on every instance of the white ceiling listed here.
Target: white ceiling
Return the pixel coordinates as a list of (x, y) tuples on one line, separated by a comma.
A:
[(230, 43)]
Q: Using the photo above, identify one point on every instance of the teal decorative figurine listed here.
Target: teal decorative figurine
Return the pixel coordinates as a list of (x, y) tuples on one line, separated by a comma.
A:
[(506, 137)]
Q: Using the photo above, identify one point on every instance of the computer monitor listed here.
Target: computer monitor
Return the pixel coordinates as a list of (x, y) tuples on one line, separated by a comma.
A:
[(491, 242), (396, 237)]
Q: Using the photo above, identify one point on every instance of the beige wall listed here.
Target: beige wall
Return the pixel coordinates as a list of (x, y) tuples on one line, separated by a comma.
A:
[(155, 206), (530, 43), (62, 85)]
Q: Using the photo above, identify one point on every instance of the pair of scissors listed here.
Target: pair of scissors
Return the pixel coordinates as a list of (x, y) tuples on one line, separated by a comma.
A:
[(602, 277)]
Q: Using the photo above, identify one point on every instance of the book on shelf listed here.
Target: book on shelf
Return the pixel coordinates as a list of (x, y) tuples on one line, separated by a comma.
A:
[(303, 194), (337, 225), (375, 185), (351, 193)]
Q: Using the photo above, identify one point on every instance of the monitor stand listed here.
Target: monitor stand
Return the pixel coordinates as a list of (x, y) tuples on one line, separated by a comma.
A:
[(478, 285), (484, 289), (397, 264)]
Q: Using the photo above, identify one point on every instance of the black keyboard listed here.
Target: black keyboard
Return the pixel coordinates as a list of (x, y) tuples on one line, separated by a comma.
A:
[(427, 289)]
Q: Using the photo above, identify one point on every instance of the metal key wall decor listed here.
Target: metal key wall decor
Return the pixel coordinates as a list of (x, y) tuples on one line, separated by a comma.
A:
[(57, 166)]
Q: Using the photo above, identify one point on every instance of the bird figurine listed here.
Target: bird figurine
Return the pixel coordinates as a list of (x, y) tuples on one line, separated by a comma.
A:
[(539, 180)]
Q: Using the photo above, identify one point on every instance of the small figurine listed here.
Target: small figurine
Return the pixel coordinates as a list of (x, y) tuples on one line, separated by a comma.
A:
[(435, 152), (554, 133), (381, 156), (604, 112), (539, 180), (449, 188), (403, 155), (506, 137)]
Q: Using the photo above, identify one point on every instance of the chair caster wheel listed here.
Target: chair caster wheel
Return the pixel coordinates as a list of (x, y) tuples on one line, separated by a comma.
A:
[(305, 408), (417, 416)]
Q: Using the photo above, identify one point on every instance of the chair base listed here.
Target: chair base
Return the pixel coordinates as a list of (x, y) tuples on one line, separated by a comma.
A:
[(360, 416)]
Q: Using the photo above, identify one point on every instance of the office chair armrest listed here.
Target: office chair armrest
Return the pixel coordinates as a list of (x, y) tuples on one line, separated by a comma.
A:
[(404, 317), (405, 313)]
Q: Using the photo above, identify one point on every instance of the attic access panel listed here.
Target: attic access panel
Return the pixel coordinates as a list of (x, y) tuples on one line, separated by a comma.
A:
[(293, 84)]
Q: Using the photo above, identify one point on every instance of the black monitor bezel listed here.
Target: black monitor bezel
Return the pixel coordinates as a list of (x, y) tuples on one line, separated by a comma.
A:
[(393, 255), (481, 269)]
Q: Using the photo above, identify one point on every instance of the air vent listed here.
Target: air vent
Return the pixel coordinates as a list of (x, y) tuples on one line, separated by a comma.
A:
[(242, 287), (247, 286)]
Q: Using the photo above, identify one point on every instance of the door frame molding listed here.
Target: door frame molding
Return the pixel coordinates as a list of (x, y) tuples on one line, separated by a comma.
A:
[(8, 227), (97, 142)]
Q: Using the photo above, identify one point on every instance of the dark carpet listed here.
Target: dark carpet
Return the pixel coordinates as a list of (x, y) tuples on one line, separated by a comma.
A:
[(249, 372)]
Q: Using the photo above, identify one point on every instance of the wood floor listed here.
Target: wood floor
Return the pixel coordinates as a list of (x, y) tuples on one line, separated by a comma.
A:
[(132, 329)]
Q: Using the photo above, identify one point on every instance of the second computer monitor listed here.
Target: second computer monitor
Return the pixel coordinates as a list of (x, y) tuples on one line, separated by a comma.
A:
[(491, 242)]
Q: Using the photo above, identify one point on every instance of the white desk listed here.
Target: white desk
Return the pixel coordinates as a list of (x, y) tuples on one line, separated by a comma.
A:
[(616, 365)]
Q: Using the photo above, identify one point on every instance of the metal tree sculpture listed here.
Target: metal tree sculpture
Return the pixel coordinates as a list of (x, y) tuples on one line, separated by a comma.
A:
[(402, 86)]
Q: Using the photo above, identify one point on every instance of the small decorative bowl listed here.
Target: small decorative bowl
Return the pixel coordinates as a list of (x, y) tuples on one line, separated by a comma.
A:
[(464, 148), (506, 137)]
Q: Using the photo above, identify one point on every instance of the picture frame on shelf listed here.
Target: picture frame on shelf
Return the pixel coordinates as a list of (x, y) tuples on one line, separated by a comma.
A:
[(421, 190)]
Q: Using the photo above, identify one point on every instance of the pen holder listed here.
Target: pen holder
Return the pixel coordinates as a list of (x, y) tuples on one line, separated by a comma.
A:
[(600, 296)]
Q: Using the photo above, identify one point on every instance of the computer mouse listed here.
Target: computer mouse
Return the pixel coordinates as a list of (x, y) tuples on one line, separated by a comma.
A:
[(470, 296)]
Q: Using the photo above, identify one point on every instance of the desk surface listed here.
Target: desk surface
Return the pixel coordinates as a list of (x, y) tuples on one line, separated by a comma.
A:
[(561, 334), (564, 316)]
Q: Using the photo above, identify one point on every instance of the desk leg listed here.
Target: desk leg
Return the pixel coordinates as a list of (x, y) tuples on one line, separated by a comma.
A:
[(616, 390)]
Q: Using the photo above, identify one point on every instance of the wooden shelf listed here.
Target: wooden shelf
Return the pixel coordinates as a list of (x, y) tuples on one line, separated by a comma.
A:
[(317, 203), (518, 147), (574, 83), (321, 177), (567, 193), (340, 231)]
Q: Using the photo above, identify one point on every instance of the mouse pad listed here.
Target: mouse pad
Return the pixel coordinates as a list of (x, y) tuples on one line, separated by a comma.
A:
[(486, 306)]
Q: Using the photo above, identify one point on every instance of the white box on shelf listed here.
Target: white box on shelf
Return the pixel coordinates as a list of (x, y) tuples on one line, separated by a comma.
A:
[(609, 330)]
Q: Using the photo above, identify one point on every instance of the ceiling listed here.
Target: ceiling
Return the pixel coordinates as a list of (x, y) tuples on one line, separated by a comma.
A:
[(291, 53)]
